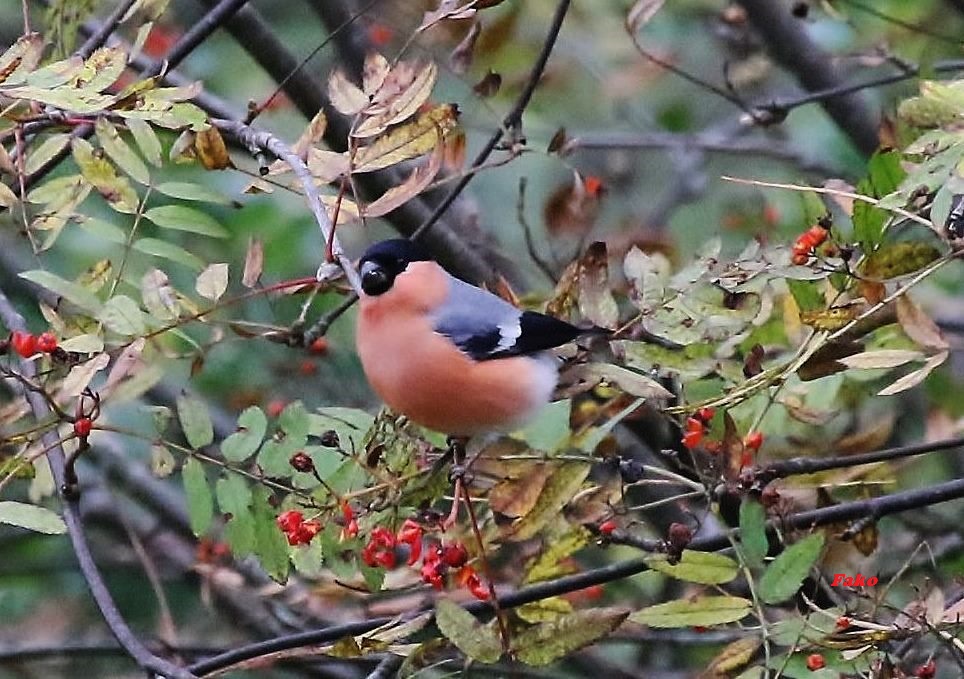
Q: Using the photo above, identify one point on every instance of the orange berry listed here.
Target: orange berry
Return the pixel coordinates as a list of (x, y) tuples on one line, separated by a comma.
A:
[(691, 439)]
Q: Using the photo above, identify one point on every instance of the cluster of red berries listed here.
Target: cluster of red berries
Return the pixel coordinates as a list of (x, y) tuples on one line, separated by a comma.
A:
[(438, 558), (27, 344), (927, 670), (298, 531), (696, 427), (807, 242)]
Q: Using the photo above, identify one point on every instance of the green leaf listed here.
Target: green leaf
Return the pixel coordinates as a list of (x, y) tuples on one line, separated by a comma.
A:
[(806, 294), (270, 544), (753, 534), (292, 435), (786, 573), (147, 141), (102, 174), (477, 641), (884, 176), (122, 315), (706, 568), (196, 192), (183, 218), (50, 147), (351, 425), (703, 611), (234, 498), (200, 505), (252, 425), (122, 154), (549, 641), (74, 293), (31, 517), (195, 421), (175, 253), (550, 429), (102, 229)]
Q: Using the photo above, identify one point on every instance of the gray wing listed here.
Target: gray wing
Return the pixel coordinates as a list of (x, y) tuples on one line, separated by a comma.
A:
[(485, 326), (479, 323)]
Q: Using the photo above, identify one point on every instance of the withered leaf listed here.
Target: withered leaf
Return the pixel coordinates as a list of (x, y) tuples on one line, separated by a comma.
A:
[(408, 141), (489, 85), (405, 89), (461, 57), (596, 301), (417, 182), (345, 96), (571, 209), (253, 263), (517, 496), (919, 326), (211, 150)]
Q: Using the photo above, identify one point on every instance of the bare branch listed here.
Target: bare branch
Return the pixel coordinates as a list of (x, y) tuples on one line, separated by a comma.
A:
[(99, 37)]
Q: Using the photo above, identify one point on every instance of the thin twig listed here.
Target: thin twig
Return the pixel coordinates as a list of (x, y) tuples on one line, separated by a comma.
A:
[(95, 582), (511, 121), (99, 37), (265, 141)]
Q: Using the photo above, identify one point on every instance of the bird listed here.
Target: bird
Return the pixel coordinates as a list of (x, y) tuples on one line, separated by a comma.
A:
[(450, 356)]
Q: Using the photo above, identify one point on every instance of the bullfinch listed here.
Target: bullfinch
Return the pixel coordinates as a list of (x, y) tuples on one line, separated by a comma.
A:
[(448, 355)]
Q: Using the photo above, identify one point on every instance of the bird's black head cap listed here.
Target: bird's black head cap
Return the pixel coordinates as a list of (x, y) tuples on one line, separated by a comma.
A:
[(383, 261)]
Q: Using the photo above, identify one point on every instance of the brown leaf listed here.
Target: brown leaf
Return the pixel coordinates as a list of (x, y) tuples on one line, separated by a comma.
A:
[(447, 9), (417, 182), (824, 362), (571, 209), (918, 326), (596, 301), (830, 319), (405, 89), (873, 292), (253, 263), (914, 378), (211, 150), (453, 159), (374, 72), (461, 57), (489, 85), (325, 165), (872, 437), (558, 141), (408, 141), (558, 490), (516, 497), (345, 96), (311, 136), (563, 297), (733, 657)]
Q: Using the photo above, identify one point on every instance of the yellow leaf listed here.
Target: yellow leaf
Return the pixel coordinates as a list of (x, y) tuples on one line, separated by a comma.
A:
[(408, 141), (211, 150)]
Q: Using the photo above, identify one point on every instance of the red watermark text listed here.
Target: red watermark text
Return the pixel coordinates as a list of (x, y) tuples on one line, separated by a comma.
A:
[(840, 579)]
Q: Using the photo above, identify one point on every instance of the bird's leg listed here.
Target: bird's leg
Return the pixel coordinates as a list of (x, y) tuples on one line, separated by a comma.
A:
[(456, 450)]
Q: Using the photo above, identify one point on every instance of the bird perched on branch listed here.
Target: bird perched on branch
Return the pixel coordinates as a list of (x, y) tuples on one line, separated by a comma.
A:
[(446, 354)]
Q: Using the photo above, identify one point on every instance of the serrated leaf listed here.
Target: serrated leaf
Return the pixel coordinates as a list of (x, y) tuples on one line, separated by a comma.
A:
[(183, 218), (122, 315), (549, 641), (293, 425), (31, 517), (786, 573), (706, 568), (189, 191), (200, 504), (882, 358), (345, 96), (806, 294), (547, 565), (195, 421), (557, 492), (146, 140), (42, 154), (212, 282), (270, 545), (703, 611), (234, 498), (252, 425), (733, 657), (407, 141), (175, 253), (163, 463), (122, 154), (477, 641), (76, 294), (753, 536)]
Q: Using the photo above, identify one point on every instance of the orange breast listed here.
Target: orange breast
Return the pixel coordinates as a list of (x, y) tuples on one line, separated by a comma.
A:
[(423, 376)]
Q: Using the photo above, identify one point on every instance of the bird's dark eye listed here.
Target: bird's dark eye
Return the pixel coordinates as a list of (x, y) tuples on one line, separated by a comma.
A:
[(374, 279)]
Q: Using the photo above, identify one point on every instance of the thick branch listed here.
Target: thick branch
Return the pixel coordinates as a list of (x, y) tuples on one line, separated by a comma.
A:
[(98, 589), (789, 44)]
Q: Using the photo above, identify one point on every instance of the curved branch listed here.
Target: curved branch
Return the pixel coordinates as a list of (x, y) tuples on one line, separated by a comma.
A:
[(98, 588)]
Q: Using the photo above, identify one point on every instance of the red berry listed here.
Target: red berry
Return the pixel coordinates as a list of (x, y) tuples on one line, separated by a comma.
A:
[(746, 459), (694, 424), (607, 527), (753, 440), (23, 343), (351, 529), (679, 535), (319, 347), (705, 414), (82, 427), (454, 555), (927, 670), (594, 186), (800, 258), (301, 462), (290, 520), (691, 439), (843, 622), (275, 407), (770, 497), (307, 367), (817, 234), (700, 629), (47, 342), (380, 34), (815, 662)]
